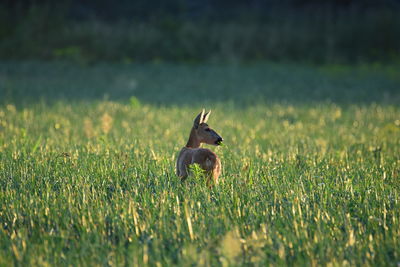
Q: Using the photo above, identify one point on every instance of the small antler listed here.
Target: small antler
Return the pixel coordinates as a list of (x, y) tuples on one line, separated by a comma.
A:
[(199, 119)]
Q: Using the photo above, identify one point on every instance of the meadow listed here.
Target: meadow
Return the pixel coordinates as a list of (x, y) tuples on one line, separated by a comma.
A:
[(310, 165)]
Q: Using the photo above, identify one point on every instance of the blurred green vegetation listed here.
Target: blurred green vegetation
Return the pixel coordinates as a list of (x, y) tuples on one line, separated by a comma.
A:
[(312, 33), (169, 84)]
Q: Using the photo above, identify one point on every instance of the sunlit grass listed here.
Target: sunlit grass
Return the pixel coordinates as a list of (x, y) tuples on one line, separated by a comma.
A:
[(93, 183), (300, 184)]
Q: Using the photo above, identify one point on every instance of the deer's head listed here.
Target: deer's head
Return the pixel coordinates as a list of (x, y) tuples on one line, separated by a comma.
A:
[(203, 132)]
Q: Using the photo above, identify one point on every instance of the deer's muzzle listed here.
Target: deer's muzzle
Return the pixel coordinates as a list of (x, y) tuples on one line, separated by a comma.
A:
[(219, 141)]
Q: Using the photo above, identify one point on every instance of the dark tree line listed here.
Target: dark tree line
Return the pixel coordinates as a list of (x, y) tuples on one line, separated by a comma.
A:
[(321, 31), (185, 9)]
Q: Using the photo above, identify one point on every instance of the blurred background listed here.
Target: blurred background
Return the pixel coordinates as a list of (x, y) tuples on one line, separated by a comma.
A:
[(200, 51), (192, 31)]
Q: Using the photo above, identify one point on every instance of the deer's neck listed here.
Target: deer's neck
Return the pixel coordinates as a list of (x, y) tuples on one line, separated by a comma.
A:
[(193, 141)]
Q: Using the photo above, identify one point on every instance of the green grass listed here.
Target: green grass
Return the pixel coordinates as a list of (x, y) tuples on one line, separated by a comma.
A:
[(310, 165)]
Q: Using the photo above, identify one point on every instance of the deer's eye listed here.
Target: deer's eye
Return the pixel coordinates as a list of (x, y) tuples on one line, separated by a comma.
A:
[(207, 130)]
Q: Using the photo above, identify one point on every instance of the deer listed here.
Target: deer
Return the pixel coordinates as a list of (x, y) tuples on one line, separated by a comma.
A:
[(192, 153)]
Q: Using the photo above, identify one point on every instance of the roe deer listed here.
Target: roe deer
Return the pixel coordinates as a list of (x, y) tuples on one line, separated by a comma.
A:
[(192, 153)]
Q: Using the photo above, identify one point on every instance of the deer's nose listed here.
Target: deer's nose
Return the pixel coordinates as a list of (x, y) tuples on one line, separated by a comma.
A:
[(219, 141)]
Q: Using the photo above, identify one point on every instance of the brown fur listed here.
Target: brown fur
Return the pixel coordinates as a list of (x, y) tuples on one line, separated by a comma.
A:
[(192, 153)]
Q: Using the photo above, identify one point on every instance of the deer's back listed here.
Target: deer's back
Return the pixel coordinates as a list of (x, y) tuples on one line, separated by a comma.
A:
[(206, 159)]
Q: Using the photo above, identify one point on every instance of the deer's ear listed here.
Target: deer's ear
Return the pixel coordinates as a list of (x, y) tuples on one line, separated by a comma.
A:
[(199, 119), (206, 116)]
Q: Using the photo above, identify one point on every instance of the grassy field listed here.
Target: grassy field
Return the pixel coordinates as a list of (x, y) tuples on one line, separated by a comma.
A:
[(310, 165)]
